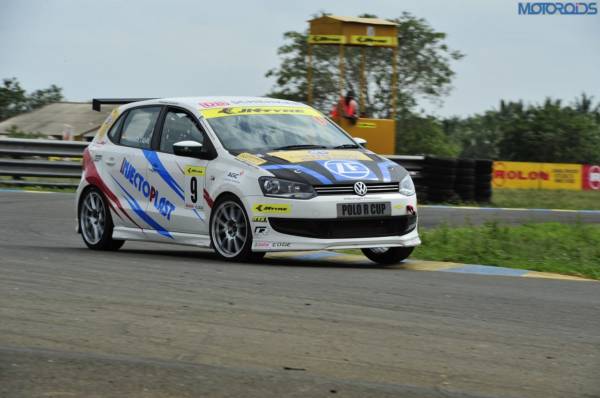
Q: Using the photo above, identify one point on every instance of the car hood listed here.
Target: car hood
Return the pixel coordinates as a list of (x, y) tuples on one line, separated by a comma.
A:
[(327, 166)]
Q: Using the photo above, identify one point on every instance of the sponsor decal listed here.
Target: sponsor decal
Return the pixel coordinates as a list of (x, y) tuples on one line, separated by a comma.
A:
[(272, 208), (137, 180), (261, 231), (195, 171), (281, 244), (250, 158), (262, 244), (234, 176), (351, 170), (259, 219), (314, 155), (214, 104), (361, 198), (259, 110), (262, 101), (135, 206), (366, 125), (385, 41), (327, 39)]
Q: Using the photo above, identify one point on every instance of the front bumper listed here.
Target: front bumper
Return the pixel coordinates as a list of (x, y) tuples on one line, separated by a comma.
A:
[(286, 224)]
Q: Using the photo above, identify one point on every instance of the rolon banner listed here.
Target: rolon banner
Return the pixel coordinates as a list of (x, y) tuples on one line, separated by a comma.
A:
[(525, 175)]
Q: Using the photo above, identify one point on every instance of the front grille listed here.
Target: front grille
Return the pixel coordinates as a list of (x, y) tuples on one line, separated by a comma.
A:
[(345, 228), (345, 189)]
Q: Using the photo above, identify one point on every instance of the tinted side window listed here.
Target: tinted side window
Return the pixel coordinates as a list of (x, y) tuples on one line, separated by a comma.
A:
[(138, 127), (179, 126), (114, 130)]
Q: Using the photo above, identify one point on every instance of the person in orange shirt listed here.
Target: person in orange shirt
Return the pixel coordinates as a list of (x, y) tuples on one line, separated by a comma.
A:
[(347, 107)]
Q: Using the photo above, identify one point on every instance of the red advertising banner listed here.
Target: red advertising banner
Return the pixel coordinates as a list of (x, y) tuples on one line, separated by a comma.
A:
[(590, 179)]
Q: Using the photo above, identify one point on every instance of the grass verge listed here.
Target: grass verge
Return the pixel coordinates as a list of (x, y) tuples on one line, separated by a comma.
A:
[(572, 249), (546, 199)]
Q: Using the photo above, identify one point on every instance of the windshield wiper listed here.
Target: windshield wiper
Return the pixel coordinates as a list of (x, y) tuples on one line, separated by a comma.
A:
[(301, 146), (344, 146)]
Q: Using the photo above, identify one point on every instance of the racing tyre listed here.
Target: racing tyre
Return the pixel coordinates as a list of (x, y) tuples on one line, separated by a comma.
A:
[(95, 222), (230, 233), (388, 255)]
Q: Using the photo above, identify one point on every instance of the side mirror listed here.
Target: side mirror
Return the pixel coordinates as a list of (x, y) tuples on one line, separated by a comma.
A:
[(360, 141), (192, 149)]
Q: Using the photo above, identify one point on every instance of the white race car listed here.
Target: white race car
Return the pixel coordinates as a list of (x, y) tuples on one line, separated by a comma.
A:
[(244, 176)]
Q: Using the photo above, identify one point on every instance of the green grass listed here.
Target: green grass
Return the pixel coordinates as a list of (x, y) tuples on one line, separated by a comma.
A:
[(546, 199), (572, 249)]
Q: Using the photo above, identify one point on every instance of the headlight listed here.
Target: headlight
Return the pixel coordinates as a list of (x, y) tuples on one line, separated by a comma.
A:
[(407, 187), (278, 188)]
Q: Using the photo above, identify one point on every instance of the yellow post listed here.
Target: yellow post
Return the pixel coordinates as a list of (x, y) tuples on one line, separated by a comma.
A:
[(362, 94), (341, 83), (309, 98), (394, 82)]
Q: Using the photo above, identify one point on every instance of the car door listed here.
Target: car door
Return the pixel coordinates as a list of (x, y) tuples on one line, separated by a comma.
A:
[(179, 180), (125, 167)]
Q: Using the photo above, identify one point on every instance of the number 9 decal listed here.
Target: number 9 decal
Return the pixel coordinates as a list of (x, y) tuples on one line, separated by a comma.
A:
[(193, 182), (194, 189)]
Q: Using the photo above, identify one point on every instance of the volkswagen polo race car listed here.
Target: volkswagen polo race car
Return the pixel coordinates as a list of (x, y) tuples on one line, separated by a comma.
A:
[(244, 176)]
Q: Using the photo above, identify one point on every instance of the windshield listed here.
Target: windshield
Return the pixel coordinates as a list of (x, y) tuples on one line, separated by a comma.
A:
[(262, 133)]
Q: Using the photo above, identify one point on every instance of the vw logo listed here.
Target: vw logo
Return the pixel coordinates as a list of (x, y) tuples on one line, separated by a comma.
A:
[(349, 169), (360, 188)]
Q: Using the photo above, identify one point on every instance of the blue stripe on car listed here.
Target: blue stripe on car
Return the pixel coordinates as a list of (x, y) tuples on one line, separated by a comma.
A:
[(385, 171), (135, 206), (306, 170), (162, 171)]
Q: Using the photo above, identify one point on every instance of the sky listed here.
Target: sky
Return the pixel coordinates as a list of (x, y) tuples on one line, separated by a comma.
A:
[(148, 48)]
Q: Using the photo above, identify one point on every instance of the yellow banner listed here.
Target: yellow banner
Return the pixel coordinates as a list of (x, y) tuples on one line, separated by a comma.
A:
[(524, 175), (327, 39), (194, 171), (385, 41), (319, 154), (259, 110)]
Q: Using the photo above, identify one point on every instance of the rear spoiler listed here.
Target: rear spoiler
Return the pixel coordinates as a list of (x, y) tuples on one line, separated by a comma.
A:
[(98, 102)]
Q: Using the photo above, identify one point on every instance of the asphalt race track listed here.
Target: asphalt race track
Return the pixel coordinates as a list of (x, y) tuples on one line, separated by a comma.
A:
[(171, 321)]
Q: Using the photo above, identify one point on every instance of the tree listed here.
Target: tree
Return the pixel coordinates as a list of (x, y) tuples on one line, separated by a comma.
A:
[(552, 133), (14, 99), (424, 136), (548, 132), (423, 69)]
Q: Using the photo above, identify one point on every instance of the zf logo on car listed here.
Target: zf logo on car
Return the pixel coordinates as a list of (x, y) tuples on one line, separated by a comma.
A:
[(348, 169)]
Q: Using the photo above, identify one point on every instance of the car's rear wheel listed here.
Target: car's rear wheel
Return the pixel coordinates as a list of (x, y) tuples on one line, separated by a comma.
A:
[(230, 231), (388, 255), (95, 222)]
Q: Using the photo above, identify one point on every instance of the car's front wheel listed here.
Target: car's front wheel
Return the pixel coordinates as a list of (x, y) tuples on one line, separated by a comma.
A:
[(388, 255), (95, 222), (230, 230)]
